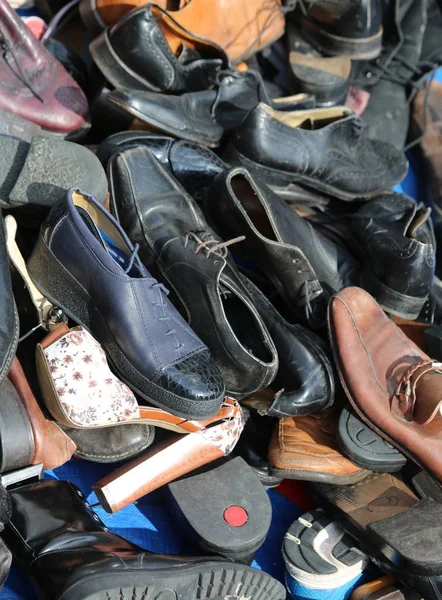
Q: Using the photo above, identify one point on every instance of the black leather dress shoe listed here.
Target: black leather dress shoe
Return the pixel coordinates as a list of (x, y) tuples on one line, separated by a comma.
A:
[(111, 444), (352, 28), (324, 149), (192, 165), (173, 235), (205, 116), (305, 382), (68, 553), (305, 267), (396, 239), (84, 263), (135, 54), (10, 328)]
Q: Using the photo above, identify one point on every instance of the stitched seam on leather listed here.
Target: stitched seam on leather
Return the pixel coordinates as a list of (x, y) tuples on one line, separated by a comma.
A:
[(11, 353), (142, 446), (362, 344)]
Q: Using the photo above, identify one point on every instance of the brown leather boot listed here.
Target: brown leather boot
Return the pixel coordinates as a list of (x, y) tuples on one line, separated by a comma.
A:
[(306, 448), (26, 436), (241, 27), (33, 84)]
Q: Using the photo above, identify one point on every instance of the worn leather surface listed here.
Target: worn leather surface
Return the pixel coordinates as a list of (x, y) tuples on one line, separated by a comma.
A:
[(150, 43), (350, 19), (9, 331), (112, 444), (192, 165), (52, 523), (240, 28), (135, 308), (372, 355), (158, 214), (204, 116), (52, 446), (396, 239), (308, 444), (298, 260), (305, 382), (339, 154), (64, 107), (188, 116)]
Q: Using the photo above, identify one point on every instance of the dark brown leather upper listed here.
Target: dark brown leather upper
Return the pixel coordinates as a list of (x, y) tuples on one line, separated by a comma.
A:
[(52, 446), (373, 357)]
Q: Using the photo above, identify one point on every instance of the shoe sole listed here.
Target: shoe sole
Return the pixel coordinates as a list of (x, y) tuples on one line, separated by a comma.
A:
[(301, 475), (217, 581), (284, 179), (48, 274), (333, 45), (393, 302), (161, 127), (365, 448)]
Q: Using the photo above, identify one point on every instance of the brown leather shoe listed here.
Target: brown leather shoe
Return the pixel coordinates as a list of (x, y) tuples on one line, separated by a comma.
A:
[(394, 386), (306, 448), (241, 27), (27, 437)]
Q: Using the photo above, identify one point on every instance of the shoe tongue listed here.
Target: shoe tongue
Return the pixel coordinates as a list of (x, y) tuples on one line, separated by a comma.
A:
[(237, 96), (90, 225), (106, 242), (186, 55)]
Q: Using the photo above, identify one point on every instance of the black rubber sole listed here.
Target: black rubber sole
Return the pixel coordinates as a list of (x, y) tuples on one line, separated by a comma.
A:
[(319, 477), (364, 447), (393, 302), (326, 95), (202, 499), (58, 285), (217, 581), (283, 179), (332, 45)]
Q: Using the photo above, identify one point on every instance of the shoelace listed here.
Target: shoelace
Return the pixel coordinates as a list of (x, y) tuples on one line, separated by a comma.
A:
[(7, 50), (271, 18), (207, 242), (307, 295), (154, 285)]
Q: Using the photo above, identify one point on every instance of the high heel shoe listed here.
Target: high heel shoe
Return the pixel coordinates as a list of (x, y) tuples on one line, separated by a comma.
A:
[(80, 391), (171, 460)]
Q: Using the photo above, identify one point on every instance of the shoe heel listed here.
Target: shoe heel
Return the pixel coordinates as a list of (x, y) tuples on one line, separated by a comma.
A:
[(111, 66), (167, 462), (401, 305), (159, 466), (48, 274)]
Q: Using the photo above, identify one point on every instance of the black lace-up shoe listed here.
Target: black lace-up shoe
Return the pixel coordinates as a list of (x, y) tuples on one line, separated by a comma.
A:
[(173, 235)]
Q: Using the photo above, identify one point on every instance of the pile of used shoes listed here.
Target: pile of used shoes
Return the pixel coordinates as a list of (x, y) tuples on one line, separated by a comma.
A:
[(212, 280)]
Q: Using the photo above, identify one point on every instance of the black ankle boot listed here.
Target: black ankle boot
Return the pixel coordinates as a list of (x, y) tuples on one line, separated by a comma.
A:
[(69, 554), (394, 79)]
